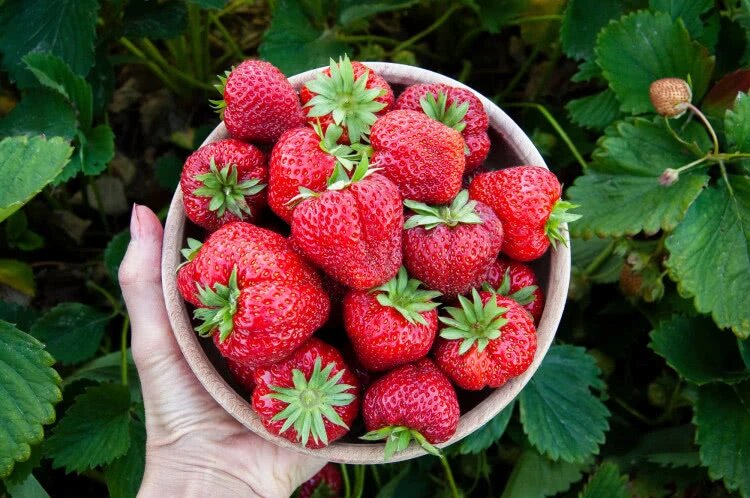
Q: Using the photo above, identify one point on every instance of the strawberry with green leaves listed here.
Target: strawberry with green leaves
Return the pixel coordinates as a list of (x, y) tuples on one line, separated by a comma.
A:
[(306, 157), (310, 398), (424, 157), (450, 248), (347, 94), (412, 402), (392, 324), (527, 201), (327, 483), (258, 103), (518, 281), (486, 341), (456, 107), (254, 295), (352, 230), (222, 182)]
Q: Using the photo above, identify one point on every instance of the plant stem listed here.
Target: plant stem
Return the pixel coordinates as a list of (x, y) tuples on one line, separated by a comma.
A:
[(632, 411), (366, 38), (99, 203), (540, 18), (124, 350), (600, 259), (347, 485), (449, 476), (359, 481), (432, 27), (521, 72), (708, 126), (553, 122), (150, 64), (234, 49), (690, 145), (376, 475), (116, 306)]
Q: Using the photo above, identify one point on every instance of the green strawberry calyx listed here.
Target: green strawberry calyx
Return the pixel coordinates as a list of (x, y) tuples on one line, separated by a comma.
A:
[(403, 294), (523, 296), (437, 109), (191, 251), (348, 100), (219, 104), (219, 307), (460, 211), (226, 192), (311, 400), (339, 180), (474, 322), (557, 217), (346, 155), (397, 439)]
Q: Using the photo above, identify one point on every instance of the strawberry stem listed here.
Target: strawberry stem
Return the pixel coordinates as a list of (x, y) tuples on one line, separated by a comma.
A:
[(402, 294), (557, 217), (220, 307), (474, 322), (451, 116), (397, 439), (226, 192), (460, 211)]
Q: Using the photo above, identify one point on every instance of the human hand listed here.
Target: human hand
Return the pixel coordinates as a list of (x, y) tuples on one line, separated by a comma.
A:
[(193, 447)]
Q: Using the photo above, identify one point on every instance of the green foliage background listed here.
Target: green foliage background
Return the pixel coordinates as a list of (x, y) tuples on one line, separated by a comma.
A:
[(647, 390)]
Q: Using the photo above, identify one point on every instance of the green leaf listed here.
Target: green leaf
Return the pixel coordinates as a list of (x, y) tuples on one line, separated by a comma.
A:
[(562, 418), (585, 253), (41, 112), (710, 254), (620, 194), (293, 44), (209, 4), (168, 169), (23, 317), (594, 111), (29, 488), (690, 11), (587, 71), (29, 388), (94, 430), (355, 10), (53, 73), (99, 150), (494, 15), (488, 434), (107, 368), (18, 235), (698, 351), (606, 483), (154, 20), (22, 470), (17, 275), (721, 416), (26, 166), (124, 475), (643, 47), (536, 476), (65, 28), (737, 124), (115, 252), (582, 21), (71, 331)]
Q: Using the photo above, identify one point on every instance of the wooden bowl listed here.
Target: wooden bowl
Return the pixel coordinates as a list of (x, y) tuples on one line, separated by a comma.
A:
[(510, 146)]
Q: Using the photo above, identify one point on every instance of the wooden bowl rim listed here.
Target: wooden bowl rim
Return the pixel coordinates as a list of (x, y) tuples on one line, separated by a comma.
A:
[(364, 453)]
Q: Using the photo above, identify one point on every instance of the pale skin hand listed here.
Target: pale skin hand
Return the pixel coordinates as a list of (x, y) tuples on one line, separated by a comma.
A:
[(193, 448)]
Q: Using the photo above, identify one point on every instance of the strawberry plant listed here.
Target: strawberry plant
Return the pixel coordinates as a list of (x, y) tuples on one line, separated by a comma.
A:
[(640, 108)]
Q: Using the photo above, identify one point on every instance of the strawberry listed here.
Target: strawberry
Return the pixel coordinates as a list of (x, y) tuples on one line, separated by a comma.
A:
[(255, 295), (311, 397), (242, 373), (450, 248), (486, 341), (347, 94), (517, 281), (304, 157), (393, 324), (327, 483), (527, 201), (456, 107), (423, 157), (352, 230), (414, 401), (223, 182), (259, 103)]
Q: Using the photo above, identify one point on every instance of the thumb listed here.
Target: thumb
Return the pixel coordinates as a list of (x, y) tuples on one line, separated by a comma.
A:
[(152, 341)]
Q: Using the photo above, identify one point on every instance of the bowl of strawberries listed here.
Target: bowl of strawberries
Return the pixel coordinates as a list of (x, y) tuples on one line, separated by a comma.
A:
[(366, 261)]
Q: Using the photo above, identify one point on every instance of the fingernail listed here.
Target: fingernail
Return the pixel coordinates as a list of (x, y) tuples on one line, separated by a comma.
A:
[(135, 224)]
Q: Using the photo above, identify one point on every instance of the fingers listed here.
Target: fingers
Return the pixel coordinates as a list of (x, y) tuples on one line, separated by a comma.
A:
[(140, 280)]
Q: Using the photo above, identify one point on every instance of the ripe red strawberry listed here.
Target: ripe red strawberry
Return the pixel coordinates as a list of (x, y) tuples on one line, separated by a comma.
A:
[(527, 201), (259, 103), (353, 229), (393, 324), (311, 397), (327, 483), (486, 341), (304, 157), (450, 248), (517, 281), (223, 182), (255, 295), (456, 107), (242, 373), (423, 157), (414, 401), (348, 94)]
